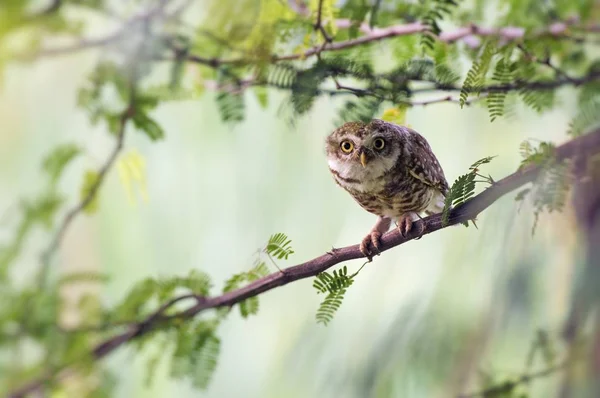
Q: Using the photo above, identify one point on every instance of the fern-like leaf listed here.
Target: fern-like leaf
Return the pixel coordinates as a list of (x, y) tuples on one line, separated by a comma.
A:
[(539, 156), (539, 101), (503, 74), (476, 75), (231, 106), (431, 19), (196, 353), (464, 188), (281, 75), (335, 285), (279, 246), (250, 305), (363, 109), (551, 190), (587, 119)]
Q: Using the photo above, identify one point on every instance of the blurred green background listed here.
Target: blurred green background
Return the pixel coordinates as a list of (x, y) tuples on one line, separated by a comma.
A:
[(421, 321)]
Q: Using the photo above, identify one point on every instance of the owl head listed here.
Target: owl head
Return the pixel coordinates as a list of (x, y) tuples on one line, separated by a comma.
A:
[(364, 148)]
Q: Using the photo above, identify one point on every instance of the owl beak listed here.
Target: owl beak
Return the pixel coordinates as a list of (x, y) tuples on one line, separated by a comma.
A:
[(363, 159)]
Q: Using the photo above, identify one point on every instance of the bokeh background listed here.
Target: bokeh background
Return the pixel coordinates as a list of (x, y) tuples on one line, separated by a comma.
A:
[(422, 320)]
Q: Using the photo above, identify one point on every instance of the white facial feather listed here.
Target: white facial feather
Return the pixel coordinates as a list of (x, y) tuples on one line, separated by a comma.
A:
[(351, 169)]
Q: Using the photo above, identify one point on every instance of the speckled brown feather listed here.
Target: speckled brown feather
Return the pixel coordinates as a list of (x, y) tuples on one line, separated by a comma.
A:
[(408, 186)]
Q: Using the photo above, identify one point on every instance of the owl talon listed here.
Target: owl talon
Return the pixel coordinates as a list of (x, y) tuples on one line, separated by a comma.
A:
[(422, 229), (405, 225), (370, 244)]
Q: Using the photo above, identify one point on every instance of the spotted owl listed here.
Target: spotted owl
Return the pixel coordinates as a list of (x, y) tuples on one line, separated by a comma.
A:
[(390, 170)]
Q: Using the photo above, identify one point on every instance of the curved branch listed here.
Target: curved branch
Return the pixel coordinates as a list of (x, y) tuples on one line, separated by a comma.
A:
[(581, 147), (87, 199), (498, 390)]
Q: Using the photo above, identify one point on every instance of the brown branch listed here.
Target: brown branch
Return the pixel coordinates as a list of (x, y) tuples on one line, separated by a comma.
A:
[(581, 147), (503, 388), (518, 85), (469, 34), (557, 30), (319, 24), (85, 201)]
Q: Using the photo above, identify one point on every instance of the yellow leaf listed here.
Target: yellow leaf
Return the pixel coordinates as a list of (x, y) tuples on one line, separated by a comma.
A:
[(132, 171), (395, 115)]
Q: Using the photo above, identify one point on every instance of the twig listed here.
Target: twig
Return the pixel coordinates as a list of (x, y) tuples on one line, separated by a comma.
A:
[(91, 195), (518, 85), (584, 146), (546, 62), (508, 386), (319, 24), (511, 33), (89, 43)]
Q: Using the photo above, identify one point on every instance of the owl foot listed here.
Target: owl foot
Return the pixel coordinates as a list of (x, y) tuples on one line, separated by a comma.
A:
[(405, 224), (370, 244)]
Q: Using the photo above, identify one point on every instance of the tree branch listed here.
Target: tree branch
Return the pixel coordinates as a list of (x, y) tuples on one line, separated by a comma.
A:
[(581, 148), (85, 201), (500, 389)]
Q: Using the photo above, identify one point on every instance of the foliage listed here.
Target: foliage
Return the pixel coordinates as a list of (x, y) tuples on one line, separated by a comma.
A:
[(550, 190), (476, 75), (279, 246), (464, 188), (335, 286), (432, 18), (250, 305), (266, 46)]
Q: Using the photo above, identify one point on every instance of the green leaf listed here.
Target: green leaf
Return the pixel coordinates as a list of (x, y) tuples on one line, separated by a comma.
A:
[(58, 159), (231, 106), (89, 191), (261, 94), (464, 188), (476, 76), (439, 9), (144, 123), (83, 276), (335, 285), (279, 246), (196, 353), (587, 119), (503, 74), (250, 305)]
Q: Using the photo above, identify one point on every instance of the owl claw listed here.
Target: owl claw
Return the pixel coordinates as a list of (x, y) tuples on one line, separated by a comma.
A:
[(370, 244), (405, 224)]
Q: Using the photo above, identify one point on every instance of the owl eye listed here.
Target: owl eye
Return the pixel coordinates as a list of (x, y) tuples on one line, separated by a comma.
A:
[(379, 143), (347, 146)]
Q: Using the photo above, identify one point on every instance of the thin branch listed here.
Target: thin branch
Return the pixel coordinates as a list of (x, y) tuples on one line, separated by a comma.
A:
[(546, 62), (85, 201), (503, 388), (319, 24), (518, 85), (583, 147), (89, 43), (556, 30), (468, 33)]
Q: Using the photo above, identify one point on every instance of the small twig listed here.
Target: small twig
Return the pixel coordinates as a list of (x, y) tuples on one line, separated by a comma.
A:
[(85, 201), (546, 62), (507, 386), (319, 25)]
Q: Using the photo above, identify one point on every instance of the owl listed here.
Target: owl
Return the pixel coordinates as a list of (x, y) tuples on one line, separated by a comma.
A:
[(390, 170)]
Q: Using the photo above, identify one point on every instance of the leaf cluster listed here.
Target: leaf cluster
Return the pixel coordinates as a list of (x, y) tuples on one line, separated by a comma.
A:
[(334, 285), (464, 188)]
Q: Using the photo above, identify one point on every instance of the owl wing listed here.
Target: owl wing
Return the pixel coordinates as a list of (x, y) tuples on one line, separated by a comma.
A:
[(423, 165)]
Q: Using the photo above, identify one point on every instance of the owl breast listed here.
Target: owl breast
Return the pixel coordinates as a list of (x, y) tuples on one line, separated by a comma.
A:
[(387, 190)]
